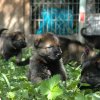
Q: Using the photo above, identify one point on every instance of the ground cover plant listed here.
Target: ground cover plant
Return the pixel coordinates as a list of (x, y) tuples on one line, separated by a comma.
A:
[(15, 86)]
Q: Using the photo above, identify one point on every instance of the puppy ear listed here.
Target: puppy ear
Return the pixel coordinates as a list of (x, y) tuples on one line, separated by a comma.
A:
[(37, 39), (1, 30)]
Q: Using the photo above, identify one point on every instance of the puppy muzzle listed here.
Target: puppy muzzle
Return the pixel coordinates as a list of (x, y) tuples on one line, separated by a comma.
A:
[(19, 44)]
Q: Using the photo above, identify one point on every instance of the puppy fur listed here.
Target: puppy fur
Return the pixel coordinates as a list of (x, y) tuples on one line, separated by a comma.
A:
[(90, 73), (11, 44), (46, 60), (75, 50), (91, 40)]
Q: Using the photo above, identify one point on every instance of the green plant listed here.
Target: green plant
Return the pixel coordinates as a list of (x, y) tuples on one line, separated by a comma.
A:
[(15, 86)]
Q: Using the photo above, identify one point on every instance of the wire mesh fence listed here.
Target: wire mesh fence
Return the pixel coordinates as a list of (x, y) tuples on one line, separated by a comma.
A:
[(61, 16), (97, 6), (93, 17), (57, 16)]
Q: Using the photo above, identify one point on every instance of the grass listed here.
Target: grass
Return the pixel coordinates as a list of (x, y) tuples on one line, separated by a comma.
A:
[(14, 84)]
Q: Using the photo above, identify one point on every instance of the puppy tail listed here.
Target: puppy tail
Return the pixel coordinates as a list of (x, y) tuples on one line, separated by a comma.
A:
[(1, 30), (85, 35), (83, 31)]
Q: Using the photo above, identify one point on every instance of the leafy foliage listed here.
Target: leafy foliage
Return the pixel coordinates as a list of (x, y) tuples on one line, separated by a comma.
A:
[(51, 88), (15, 86)]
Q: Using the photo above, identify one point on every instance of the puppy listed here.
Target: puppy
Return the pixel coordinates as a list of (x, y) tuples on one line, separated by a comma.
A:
[(91, 73), (46, 60), (92, 40), (75, 50), (11, 44)]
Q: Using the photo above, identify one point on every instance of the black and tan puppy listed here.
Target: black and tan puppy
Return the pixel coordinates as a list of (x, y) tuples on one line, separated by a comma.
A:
[(75, 50), (91, 36), (46, 60), (91, 73), (11, 44)]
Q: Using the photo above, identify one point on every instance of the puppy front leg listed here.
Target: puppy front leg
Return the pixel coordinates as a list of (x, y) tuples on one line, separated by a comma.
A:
[(34, 74), (62, 70)]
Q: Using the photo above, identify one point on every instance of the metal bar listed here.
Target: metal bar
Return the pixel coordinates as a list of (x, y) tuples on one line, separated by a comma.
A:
[(82, 11)]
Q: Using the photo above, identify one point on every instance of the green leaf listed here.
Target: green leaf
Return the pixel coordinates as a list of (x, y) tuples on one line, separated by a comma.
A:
[(51, 88), (54, 81), (44, 88), (6, 79), (80, 97), (96, 97), (54, 92), (11, 95)]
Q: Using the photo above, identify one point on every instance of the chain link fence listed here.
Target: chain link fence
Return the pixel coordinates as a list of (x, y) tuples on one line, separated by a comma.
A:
[(57, 16)]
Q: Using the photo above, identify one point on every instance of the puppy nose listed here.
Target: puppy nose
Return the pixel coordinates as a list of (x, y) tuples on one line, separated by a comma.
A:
[(23, 43), (58, 54)]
